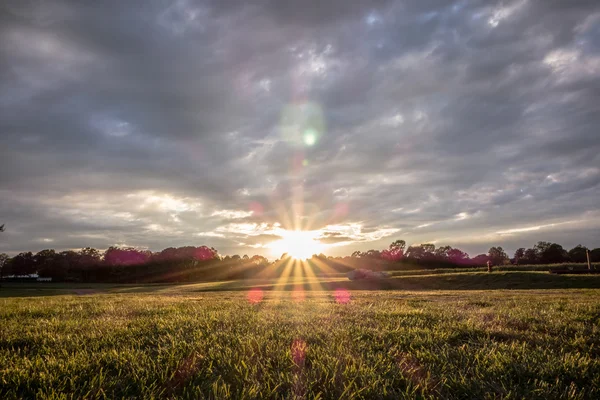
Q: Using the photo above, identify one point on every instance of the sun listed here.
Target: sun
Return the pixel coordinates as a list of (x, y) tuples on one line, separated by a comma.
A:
[(300, 245)]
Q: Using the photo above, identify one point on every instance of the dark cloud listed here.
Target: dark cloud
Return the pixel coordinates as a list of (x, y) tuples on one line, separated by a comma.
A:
[(169, 123)]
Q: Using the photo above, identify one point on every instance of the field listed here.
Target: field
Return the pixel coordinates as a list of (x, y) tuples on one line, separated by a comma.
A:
[(513, 334)]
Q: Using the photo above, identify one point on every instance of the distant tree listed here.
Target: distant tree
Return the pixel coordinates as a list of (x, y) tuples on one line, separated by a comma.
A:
[(89, 256), (398, 245), (457, 256), (204, 253), (442, 252), (551, 253), (531, 256), (245, 257), (2, 228), (578, 254), (321, 257), (497, 255), (519, 255), (23, 264), (414, 252), (45, 260), (392, 254), (428, 248), (541, 247), (480, 259), (259, 260), (595, 255), (3, 261), (357, 254), (125, 256), (423, 251), (373, 254)]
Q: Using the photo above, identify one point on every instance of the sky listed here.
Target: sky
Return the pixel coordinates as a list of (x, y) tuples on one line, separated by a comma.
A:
[(231, 123)]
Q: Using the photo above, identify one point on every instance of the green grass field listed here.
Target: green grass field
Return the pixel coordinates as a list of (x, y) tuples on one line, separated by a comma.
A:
[(460, 335)]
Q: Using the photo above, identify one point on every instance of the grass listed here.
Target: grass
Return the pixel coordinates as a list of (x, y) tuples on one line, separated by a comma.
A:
[(402, 280), (193, 342)]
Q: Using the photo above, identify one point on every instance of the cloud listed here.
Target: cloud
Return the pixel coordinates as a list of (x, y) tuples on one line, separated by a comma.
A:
[(159, 125)]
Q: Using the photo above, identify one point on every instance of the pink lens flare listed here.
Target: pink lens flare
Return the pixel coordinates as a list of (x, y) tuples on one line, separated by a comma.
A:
[(255, 296), (299, 348), (299, 295), (342, 296), (340, 210), (256, 208)]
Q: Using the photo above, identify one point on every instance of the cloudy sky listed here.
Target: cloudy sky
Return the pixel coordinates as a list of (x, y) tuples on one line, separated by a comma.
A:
[(228, 123)]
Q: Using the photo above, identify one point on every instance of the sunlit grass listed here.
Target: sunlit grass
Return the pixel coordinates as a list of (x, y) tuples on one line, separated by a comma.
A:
[(450, 344)]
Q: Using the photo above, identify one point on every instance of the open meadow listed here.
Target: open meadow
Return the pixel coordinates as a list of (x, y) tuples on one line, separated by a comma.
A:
[(325, 338)]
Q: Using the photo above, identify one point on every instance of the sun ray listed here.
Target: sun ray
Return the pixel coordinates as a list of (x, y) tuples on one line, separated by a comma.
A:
[(323, 266), (312, 279), (284, 278)]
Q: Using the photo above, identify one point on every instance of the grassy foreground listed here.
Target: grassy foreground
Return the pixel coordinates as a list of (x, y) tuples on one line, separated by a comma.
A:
[(300, 344)]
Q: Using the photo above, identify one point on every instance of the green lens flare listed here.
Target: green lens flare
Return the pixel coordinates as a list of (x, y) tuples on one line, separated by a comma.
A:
[(310, 137)]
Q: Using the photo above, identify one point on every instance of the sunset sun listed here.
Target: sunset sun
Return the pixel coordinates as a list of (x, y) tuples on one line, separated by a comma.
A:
[(297, 244)]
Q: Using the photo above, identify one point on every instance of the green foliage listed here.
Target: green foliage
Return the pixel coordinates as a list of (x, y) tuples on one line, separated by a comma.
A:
[(497, 256), (529, 344)]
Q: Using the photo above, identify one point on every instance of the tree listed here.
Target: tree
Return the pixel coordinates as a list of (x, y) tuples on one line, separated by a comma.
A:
[(2, 228), (519, 255), (45, 260), (395, 254), (357, 254), (125, 256), (415, 252), (259, 260), (89, 256), (428, 248), (204, 253), (398, 245), (540, 248), (551, 253), (23, 264), (531, 256), (442, 252), (3, 261), (480, 259), (457, 256), (423, 251), (497, 255), (578, 254), (595, 255), (373, 254)]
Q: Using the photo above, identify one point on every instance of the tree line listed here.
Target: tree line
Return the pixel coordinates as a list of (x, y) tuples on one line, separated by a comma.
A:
[(190, 263)]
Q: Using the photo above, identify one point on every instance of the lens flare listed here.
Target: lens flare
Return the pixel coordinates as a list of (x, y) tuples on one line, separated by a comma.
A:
[(256, 208), (342, 296), (302, 124), (310, 137), (298, 295), (298, 351), (255, 296)]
